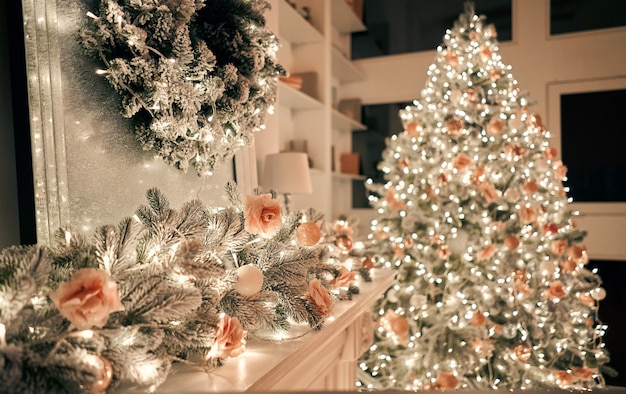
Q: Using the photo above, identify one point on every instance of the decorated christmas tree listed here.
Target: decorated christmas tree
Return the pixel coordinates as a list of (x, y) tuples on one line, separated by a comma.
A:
[(492, 288)]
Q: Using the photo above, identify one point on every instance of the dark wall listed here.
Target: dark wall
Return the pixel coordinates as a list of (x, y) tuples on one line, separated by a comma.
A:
[(17, 212)]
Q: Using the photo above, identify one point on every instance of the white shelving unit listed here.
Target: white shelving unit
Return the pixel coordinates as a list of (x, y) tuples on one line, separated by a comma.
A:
[(322, 46)]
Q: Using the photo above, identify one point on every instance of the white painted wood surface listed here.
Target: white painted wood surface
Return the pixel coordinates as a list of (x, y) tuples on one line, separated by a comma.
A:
[(316, 361)]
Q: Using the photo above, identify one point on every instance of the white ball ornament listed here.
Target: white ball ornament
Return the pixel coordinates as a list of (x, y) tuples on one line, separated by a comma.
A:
[(547, 268), (598, 294), (392, 295), (458, 244), (542, 165), (249, 280), (418, 300), (106, 375), (455, 96), (516, 123)]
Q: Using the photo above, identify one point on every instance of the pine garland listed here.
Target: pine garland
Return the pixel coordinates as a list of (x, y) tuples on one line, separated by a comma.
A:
[(175, 273), (196, 77)]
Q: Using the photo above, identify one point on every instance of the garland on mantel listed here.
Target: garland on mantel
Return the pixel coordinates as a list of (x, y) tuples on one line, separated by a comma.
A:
[(164, 286), (196, 77)]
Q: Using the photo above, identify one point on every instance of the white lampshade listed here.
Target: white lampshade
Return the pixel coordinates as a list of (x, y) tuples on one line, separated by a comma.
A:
[(288, 172)]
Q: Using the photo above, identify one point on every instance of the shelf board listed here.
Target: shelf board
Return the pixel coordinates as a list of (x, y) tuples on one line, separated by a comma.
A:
[(348, 177), (317, 171), (294, 28), (343, 69), (295, 99), (344, 18), (346, 123)]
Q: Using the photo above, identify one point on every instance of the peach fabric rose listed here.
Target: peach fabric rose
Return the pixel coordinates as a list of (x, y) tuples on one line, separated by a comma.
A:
[(478, 319), (320, 297), (578, 253), (485, 53), (489, 191), (568, 266), (495, 74), (522, 288), (486, 253), (556, 290), (408, 241), (514, 151), (527, 214), (512, 194), (563, 378), (447, 380), (442, 180), (559, 246), (398, 251), (413, 128), (534, 120), (586, 299), (560, 171), (429, 192), (87, 299), (404, 163), (584, 373), (230, 338), (471, 95), (454, 126), (344, 279), (511, 242), (550, 228), (522, 352), (550, 152), (495, 126), (443, 252), (382, 234), (530, 187), (478, 176), (482, 348), (461, 161), (398, 325), (262, 214), (452, 58), (392, 201)]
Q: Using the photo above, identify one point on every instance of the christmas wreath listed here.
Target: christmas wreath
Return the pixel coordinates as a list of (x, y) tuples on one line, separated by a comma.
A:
[(196, 77)]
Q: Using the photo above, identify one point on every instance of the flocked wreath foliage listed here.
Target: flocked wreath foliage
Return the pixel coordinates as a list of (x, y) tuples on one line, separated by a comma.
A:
[(196, 77)]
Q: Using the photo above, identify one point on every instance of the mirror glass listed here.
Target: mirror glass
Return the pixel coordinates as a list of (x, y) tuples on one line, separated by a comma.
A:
[(89, 169)]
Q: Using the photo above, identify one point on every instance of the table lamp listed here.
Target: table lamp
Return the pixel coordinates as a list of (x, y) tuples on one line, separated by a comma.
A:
[(287, 173)]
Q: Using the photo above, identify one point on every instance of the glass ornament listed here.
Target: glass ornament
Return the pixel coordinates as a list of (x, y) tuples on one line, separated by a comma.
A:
[(308, 234), (249, 280), (106, 375), (344, 243)]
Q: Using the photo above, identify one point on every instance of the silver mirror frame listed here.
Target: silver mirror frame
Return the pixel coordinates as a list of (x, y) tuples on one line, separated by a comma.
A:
[(46, 117)]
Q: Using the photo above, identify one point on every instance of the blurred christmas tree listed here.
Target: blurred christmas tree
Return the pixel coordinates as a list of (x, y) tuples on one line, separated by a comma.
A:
[(492, 290)]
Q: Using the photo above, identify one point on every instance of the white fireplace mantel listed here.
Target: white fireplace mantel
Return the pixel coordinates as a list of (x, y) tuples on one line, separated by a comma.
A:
[(323, 360)]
